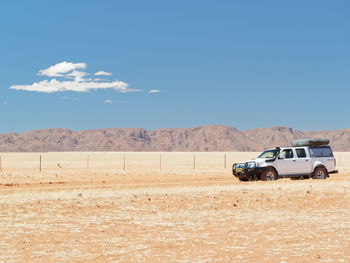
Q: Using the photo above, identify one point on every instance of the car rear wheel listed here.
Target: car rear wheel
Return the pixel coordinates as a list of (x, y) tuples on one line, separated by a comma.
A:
[(269, 175), (319, 173)]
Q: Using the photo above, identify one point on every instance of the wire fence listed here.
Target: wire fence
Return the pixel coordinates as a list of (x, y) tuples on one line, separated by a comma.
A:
[(119, 162)]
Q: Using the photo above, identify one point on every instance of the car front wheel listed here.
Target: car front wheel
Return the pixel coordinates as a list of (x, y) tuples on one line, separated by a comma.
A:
[(269, 175)]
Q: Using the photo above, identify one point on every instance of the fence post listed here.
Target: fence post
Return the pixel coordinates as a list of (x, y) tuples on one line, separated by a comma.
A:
[(40, 163), (88, 163), (160, 161), (124, 163), (225, 161), (194, 161)]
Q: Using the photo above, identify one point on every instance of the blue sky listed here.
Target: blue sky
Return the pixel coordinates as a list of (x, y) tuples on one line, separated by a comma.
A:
[(242, 63)]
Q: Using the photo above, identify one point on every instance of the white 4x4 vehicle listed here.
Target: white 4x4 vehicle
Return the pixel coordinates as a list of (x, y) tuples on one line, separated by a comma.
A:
[(299, 162)]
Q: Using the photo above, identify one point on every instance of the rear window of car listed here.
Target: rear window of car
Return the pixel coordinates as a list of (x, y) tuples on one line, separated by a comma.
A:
[(321, 152)]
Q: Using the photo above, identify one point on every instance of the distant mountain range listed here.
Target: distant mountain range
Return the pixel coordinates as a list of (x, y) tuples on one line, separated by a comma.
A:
[(204, 138)]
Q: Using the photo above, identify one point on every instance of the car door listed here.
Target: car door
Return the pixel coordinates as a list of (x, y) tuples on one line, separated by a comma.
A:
[(302, 161), (285, 162)]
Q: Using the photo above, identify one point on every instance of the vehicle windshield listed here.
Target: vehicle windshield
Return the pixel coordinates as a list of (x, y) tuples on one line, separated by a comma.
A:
[(268, 154)]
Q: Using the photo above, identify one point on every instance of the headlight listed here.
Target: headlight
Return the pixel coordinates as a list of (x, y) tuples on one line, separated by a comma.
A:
[(251, 165), (239, 166)]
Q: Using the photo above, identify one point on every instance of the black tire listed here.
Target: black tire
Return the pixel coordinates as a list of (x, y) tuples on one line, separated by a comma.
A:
[(243, 179), (254, 177), (297, 178), (320, 173), (300, 177), (269, 175)]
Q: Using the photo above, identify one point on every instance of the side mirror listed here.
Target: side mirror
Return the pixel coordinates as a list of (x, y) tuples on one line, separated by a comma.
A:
[(281, 157)]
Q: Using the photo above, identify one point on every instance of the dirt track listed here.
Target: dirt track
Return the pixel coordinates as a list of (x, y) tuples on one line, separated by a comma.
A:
[(183, 218)]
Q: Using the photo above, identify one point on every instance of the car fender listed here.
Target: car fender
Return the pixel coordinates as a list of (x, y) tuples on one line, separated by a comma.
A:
[(318, 164), (269, 165)]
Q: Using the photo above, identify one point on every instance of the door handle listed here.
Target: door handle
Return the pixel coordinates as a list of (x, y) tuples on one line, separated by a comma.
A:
[(294, 161), (306, 160)]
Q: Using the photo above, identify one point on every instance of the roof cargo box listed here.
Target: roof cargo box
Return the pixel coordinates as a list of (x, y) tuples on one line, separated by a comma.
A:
[(310, 142)]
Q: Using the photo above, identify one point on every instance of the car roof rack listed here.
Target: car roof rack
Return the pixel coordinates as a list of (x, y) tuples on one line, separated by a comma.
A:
[(310, 142)]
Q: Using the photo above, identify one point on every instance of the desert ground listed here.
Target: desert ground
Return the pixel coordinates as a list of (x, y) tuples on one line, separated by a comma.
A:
[(166, 207)]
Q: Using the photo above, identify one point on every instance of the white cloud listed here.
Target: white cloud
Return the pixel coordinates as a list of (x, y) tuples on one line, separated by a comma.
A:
[(59, 69), (77, 75), (102, 73), (55, 85), (74, 80), (154, 91), (108, 101)]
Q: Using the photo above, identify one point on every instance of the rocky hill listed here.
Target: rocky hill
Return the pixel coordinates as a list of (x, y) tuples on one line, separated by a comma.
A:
[(205, 138)]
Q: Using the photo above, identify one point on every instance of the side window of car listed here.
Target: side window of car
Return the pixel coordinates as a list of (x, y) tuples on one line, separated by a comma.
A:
[(301, 153), (286, 154), (321, 151)]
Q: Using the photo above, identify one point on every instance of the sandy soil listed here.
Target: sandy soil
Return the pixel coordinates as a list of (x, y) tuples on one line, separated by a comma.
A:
[(173, 218)]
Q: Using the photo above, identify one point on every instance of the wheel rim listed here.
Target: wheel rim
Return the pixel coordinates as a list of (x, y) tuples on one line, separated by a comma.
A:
[(270, 176), (320, 174)]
